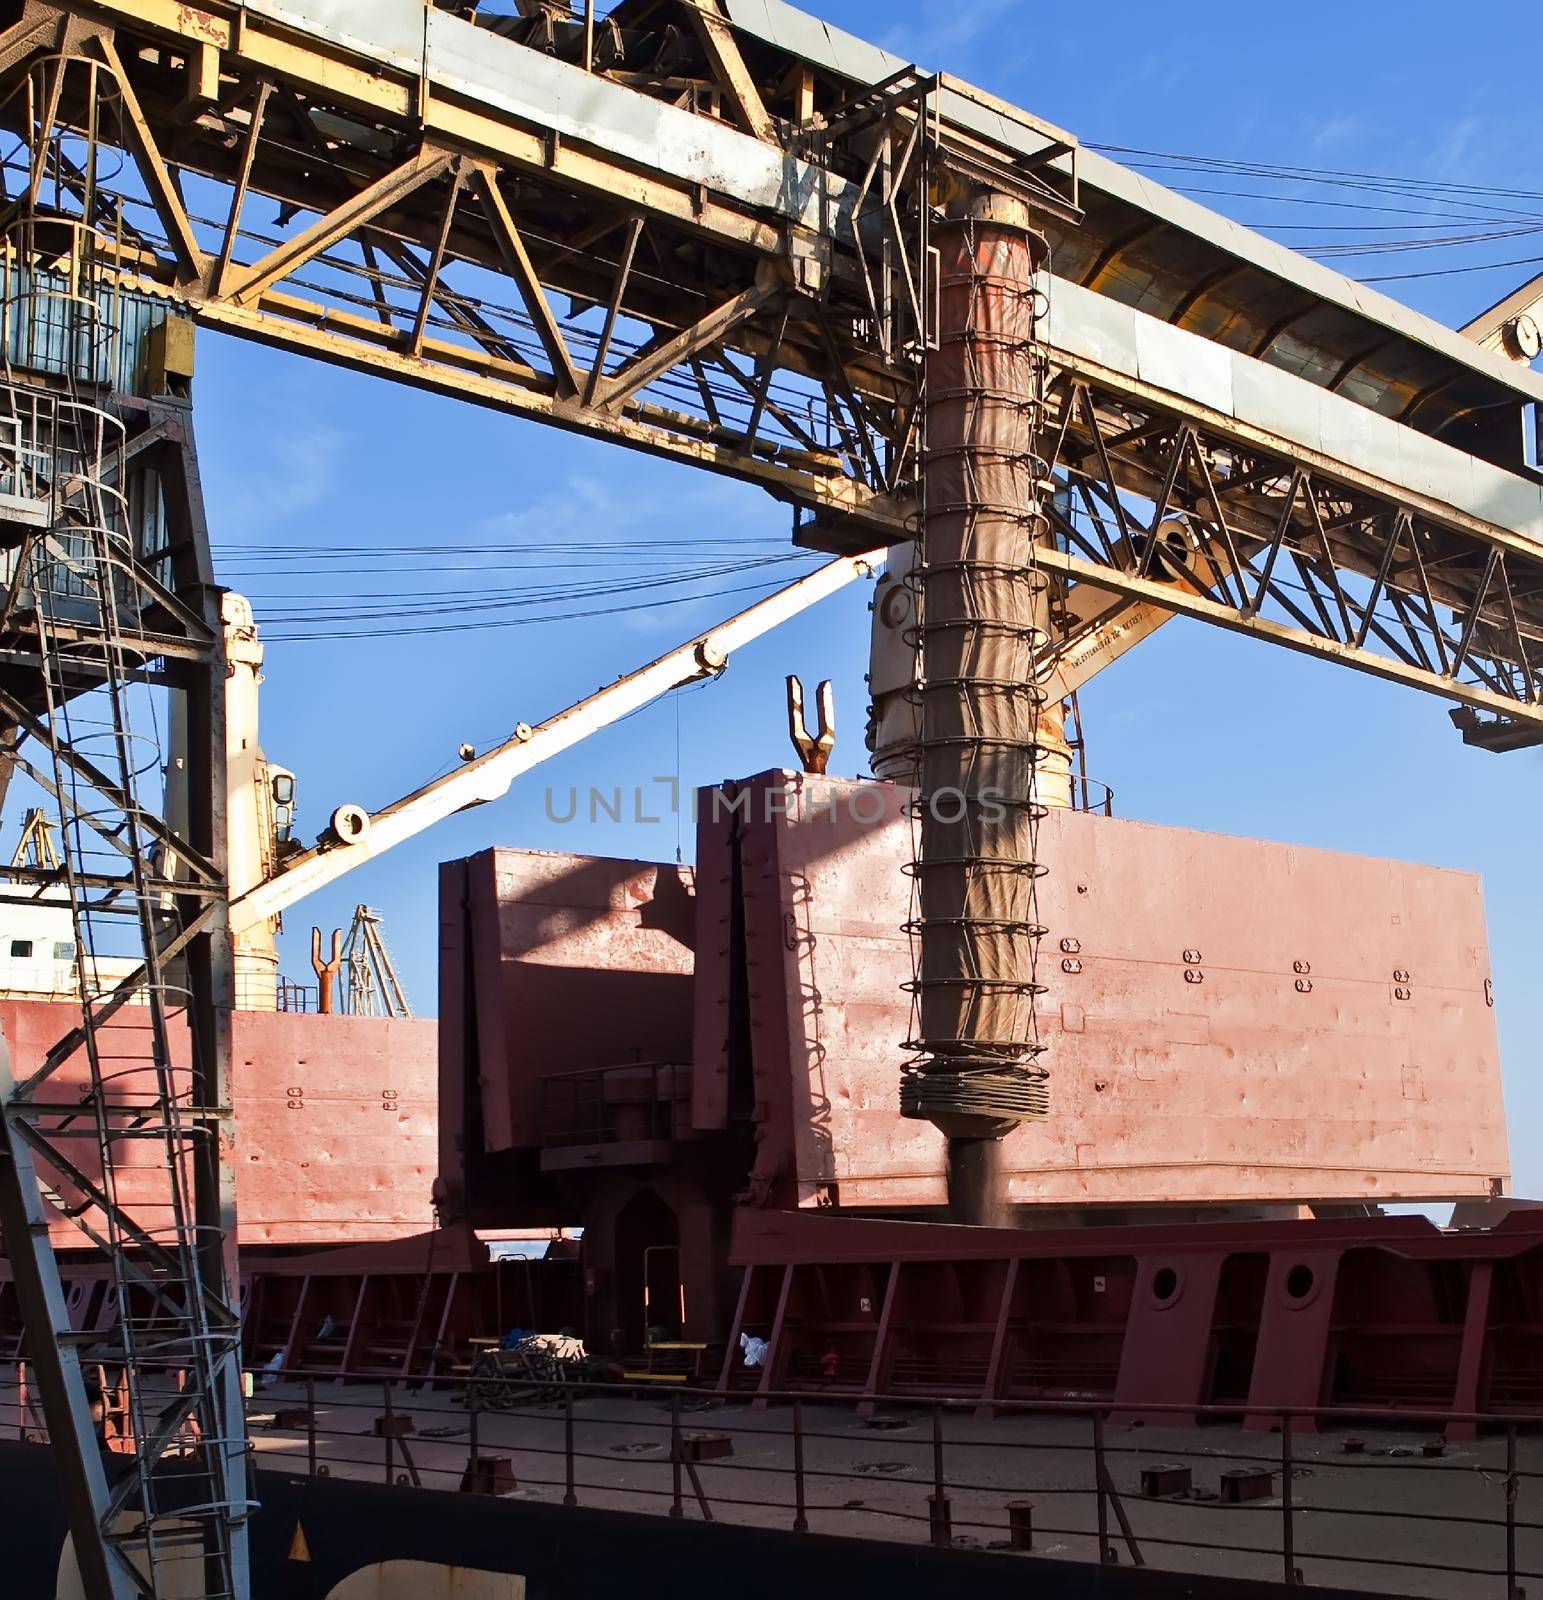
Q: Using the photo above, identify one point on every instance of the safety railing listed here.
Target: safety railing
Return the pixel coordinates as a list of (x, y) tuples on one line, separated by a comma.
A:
[(1075, 1480), (635, 1100), (291, 995), (1091, 794)]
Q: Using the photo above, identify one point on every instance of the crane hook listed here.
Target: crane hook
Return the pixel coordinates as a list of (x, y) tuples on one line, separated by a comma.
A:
[(325, 971), (813, 752)]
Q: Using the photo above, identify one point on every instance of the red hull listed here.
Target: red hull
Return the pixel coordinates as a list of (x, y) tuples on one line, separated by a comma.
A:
[(336, 1118)]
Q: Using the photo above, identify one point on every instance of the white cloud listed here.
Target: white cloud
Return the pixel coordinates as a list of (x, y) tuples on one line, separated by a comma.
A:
[(1336, 132), (944, 34), (604, 508), (1449, 153), (284, 469), (307, 463)]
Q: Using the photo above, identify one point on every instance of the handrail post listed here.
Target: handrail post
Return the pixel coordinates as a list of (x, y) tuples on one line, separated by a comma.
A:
[(310, 1424), (800, 1513), (1287, 1529), (677, 1509), (1511, 1484), (570, 1495), (940, 1513), (473, 1431), (1098, 1479), (386, 1425)]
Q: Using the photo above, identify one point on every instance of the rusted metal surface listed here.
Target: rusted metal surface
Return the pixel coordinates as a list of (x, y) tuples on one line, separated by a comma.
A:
[(410, 1306), (1233, 1020), (336, 1118), (1168, 1324), (1258, 1316), (813, 748), (354, 1159), (1214, 1059), (326, 971), (565, 1014)]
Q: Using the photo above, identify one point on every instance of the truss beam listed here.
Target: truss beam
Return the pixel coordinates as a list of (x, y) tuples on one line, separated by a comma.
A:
[(1374, 580), (674, 287)]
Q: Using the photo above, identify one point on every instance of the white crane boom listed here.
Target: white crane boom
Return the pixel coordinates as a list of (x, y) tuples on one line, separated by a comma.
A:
[(356, 836)]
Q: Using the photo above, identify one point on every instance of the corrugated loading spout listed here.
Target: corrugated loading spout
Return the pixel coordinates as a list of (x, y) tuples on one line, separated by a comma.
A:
[(982, 607)]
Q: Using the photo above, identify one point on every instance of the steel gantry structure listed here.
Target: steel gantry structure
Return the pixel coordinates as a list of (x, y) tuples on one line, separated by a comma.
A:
[(703, 229), (109, 598), (712, 246)]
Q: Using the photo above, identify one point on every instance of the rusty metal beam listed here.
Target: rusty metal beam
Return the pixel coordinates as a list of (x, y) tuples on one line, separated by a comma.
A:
[(712, 253), (153, 170), (1201, 607), (1223, 430), (436, 260), (245, 284), (650, 364), (238, 194), (35, 31), (517, 264), (251, 43), (613, 309), (716, 36)]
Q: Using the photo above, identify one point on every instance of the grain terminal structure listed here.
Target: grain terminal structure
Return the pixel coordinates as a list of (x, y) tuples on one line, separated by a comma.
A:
[(916, 314)]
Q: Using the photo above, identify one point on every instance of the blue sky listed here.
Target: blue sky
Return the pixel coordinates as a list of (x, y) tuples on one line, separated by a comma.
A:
[(1197, 727)]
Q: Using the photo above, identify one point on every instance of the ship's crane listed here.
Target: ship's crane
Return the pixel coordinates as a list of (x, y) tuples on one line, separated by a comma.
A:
[(355, 835), (35, 845), (1098, 631), (720, 232), (374, 990)]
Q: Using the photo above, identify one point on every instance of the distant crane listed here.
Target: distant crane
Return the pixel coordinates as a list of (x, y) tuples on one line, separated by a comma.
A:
[(374, 990), (35, 847)]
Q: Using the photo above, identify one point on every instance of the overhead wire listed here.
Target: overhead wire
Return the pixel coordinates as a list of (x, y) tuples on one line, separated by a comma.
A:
[(518, 622), (283, 567), (470, 602), (1453, 272), (607, 569), (1347, 177)]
